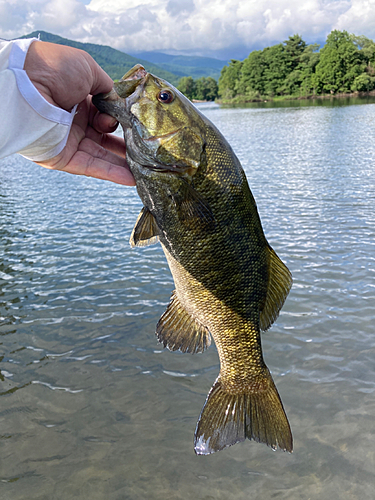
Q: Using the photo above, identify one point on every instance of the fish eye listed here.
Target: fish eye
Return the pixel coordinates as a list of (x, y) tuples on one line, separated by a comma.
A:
[(165, 96)]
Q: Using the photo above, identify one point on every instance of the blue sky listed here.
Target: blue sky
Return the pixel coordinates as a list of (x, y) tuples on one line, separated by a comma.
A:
[(219, 28)]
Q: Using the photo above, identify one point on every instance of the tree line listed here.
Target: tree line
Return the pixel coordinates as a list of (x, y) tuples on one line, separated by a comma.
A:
[(345, 64), (202, 89)]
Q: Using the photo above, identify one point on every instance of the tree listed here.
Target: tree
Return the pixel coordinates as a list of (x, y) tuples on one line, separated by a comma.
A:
[(299, 81), (276, 70), (203, 89), (229, 78), (366, 81), (339, 65), (206, 89), (366, 47), (186, 85), (294, 48), (252, 74), (363, 83)]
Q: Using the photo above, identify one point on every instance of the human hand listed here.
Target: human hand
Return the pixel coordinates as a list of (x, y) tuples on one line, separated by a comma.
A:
[(65, 76)]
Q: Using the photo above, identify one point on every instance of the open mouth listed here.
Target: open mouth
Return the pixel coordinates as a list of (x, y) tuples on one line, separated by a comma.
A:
[(130, 81), (136, 73)]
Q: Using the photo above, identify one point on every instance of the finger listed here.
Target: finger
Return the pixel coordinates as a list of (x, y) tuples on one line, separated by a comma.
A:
[(83, 163), (104, 123), (94, 149), (109, 142)]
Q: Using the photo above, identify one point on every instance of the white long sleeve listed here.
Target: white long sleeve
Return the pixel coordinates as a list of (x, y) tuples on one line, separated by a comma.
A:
[(30, 125)]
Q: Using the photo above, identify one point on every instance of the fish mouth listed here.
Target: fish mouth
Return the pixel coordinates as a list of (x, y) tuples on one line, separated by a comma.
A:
[(130, 81), (135, 73), (124, 88)]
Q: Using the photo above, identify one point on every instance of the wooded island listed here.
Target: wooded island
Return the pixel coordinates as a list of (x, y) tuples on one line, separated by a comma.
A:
[(292, 69)]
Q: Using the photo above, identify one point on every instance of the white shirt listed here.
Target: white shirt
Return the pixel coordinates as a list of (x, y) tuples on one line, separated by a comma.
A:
[(29, 124)]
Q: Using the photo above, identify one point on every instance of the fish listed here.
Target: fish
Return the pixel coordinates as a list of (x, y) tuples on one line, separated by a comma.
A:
[(229, 283)]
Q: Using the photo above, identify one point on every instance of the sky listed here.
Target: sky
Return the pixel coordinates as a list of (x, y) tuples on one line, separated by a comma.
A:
[(217, 28)]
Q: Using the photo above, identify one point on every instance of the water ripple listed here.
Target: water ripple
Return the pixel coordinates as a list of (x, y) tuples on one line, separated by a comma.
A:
[(91, 404)]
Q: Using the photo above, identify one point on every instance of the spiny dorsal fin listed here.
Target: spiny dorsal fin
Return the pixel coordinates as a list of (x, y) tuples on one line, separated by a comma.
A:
[(279, 284), (178, 330), (146, 231), (229, 418)]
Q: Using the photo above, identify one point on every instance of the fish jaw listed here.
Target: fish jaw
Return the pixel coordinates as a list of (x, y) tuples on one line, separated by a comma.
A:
[(115, 102)]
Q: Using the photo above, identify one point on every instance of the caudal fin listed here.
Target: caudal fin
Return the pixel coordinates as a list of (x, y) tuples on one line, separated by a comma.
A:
[(227, 419)]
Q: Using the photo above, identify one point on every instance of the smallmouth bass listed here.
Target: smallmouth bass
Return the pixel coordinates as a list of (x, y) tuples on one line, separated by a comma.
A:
[(229, 283)]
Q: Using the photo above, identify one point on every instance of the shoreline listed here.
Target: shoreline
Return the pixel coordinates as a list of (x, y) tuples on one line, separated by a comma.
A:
[(341, 95)]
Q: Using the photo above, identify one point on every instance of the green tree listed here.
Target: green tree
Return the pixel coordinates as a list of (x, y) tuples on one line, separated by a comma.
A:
[(206, 89), (186, 85), (366, 46), (252, 79), (276, 70), (299, 81), (202, 89), (294, 48), (366, 81), (363, 83), (229, 78), (339, 65)]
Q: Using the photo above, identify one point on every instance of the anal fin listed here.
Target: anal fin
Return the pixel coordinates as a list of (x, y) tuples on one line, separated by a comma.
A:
[(178, 330), (146, 231)]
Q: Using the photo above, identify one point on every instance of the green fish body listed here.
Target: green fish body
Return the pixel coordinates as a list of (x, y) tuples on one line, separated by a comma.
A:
[(229, 283)]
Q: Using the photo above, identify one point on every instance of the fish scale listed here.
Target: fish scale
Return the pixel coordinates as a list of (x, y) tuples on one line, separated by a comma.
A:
[(229, 283)]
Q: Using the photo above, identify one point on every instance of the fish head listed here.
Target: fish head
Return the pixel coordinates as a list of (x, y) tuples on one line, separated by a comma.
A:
[(163, 130)]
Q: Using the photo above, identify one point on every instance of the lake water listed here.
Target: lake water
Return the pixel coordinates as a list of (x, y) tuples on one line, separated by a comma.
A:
[(92, 408)]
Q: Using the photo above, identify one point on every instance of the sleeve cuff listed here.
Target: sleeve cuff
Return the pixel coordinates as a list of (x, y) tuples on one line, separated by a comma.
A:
[(52, 124), (41, 149)]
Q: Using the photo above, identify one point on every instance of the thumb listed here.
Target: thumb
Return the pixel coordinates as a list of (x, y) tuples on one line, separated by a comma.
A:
[(101, 82)]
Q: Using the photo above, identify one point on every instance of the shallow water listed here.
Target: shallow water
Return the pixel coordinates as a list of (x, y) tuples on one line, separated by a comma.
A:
[(92, 408)]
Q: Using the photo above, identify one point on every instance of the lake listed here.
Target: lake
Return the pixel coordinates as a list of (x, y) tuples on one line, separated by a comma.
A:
[(93, 408)]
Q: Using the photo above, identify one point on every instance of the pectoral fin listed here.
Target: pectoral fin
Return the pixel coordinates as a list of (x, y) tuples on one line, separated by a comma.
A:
[(146, 231), (192, 207), (178, 330), (279, 284)]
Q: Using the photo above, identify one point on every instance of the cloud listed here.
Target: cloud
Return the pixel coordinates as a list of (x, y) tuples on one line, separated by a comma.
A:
[(180, 7), (207, 27), (358, 19)]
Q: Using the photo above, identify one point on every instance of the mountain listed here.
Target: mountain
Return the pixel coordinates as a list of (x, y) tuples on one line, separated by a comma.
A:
[(114, 62), (185, 65)]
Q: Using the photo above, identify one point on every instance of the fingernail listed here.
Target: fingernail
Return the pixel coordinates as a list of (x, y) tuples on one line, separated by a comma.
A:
[(112, 122)]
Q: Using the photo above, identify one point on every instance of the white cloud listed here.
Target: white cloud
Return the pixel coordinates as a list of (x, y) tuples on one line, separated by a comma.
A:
[(359, 18), (199, 26)]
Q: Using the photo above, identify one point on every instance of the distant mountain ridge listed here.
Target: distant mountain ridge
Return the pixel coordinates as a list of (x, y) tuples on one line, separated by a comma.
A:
[(116, 63), (180, 65), (113, 61)]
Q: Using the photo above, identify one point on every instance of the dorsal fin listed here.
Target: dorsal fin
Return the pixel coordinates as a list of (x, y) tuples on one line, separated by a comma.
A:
[(178, 330), (279, 284), (146, 231)]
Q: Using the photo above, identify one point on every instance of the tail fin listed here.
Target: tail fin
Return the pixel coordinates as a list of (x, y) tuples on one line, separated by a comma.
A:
[(227, 419)]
